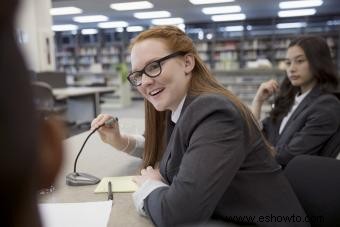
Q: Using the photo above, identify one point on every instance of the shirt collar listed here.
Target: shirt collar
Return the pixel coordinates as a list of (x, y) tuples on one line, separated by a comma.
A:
[(175, 115), (299, 98)]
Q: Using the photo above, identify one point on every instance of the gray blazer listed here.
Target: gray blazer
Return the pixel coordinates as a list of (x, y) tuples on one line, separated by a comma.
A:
[(309, 128), (215, 171)]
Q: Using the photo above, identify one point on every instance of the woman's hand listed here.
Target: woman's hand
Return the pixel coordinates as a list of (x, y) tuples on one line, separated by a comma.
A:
[(266, 90), (108, 133), (147, 174)]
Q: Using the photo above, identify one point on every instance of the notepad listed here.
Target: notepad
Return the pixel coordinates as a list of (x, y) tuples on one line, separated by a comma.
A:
[(119, 184)]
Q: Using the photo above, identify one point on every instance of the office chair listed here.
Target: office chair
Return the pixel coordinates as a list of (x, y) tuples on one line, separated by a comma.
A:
[(43, 96), (332, 147), (316, 182)]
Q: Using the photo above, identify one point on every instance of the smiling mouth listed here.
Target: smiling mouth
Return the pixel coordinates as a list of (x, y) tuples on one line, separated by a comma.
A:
[(156, 92)]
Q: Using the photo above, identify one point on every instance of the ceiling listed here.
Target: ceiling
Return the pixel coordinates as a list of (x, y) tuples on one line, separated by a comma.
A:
[(254, 9)]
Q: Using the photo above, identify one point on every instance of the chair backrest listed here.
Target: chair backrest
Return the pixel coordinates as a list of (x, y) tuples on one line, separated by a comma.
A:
[(43, 96), (316, 182), (54, 79), (332, 147)]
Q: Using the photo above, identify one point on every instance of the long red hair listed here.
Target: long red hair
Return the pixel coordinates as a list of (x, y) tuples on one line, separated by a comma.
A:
[(201, 82)]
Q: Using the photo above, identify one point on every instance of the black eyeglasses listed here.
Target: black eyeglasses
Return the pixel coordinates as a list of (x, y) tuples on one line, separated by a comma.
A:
[(153, 69)]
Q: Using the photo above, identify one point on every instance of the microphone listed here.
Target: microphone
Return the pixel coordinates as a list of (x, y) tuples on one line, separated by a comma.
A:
[(79, 179)]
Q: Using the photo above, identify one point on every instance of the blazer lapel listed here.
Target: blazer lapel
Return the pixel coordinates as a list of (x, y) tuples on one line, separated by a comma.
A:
[(315, 92), (171, 128)]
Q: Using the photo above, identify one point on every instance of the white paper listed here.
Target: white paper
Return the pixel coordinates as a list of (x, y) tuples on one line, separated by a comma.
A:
[(87, 214)]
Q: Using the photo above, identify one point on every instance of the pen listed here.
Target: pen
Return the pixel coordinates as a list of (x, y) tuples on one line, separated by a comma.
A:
[(109, 191)]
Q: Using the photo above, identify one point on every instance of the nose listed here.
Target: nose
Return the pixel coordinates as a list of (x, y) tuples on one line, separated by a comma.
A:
[(292, 67), (146, 80)]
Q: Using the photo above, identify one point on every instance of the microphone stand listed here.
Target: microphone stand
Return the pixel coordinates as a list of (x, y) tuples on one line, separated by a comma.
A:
[(77, 178)]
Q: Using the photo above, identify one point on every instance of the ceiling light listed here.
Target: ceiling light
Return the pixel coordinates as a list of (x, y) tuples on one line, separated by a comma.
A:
[(134, 29), (65, 11), (131, 5), (168, 21), (237, 28), (296, 12), (64, 27), (221, 9), (152, 14), (113, 24), (300, 4), (89, 19), (201, 2), (228, 17), (89, 31), (291, 25)]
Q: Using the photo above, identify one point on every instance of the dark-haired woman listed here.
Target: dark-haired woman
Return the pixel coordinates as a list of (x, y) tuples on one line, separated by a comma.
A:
[(306, 113)]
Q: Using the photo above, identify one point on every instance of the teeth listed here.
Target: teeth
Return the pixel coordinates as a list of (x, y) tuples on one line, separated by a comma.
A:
[(155, 91)]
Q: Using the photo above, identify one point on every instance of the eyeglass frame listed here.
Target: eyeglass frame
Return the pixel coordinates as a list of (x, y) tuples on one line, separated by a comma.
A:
[(159, 61)]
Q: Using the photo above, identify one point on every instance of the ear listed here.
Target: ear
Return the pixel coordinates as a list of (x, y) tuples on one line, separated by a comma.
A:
[(189, 63), (50, 150)]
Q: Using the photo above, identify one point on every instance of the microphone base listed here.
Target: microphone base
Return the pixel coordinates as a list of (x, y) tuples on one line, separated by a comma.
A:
[(80, 179)]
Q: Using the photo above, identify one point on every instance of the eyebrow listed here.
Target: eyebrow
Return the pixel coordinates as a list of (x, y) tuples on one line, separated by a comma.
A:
[(148, 62), (300, 55)]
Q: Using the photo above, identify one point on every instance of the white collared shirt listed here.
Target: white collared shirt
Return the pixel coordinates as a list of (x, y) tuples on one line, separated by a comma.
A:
[(175, 115), (297, 101)]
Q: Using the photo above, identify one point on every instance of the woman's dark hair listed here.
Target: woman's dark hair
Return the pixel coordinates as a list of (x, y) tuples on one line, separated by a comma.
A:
[(321, 65), (18, 131)]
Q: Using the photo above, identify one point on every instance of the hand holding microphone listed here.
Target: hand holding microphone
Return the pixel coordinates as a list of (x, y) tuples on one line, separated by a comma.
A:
[(76, 178), (110, 133)]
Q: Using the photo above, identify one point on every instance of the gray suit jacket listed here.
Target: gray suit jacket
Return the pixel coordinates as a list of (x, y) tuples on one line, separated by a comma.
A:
[(309, 128), (216, 171)]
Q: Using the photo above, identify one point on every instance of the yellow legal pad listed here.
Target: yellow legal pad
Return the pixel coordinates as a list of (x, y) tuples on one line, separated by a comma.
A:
[(119, 184)]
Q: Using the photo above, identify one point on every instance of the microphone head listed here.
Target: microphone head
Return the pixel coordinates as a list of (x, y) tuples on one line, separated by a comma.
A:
[(110, 122)]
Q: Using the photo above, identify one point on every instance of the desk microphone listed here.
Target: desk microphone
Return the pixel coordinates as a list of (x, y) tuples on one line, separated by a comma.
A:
[(79, 179)]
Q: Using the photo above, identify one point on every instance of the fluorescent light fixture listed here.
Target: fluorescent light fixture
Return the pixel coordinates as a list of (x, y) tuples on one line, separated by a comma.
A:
[(89, 31), (300, 4), (90, 19), (131, 5), (168, 21), (65, 11), (113, 24), (221, 9), (134, 29), (296, 12), (291, 25), (152, 14), (237, 28), (228, 17), (131, 29), (201, 2), (64, 27)]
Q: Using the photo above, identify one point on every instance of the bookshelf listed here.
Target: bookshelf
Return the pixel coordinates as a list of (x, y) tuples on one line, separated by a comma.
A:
[(241, 60)]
